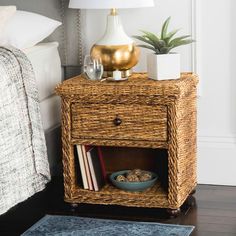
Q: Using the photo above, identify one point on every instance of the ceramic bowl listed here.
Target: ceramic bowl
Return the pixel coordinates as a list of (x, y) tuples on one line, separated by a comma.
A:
[(132, 186)]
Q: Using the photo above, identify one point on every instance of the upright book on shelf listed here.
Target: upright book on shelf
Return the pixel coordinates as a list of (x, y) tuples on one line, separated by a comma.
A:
[(102, 162), (78, 174), (82, 166), (95, 168), (86, 164)]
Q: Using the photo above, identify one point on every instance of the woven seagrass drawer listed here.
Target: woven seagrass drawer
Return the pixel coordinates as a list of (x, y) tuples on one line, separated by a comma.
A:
[(119, 121)]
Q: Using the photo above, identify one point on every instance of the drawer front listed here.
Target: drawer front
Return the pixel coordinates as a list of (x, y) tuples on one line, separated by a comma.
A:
[(119, 122)]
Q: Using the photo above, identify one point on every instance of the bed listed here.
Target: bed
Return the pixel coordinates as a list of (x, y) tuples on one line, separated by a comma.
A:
[(54, 59), (63, 55), (48, 75)]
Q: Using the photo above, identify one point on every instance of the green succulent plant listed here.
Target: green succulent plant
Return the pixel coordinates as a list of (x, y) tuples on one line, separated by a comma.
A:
[(164, 43)]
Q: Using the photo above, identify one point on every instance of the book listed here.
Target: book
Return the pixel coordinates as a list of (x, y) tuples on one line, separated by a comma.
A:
[(95, 168), (82, 166), (86, 164), (102, 162), (79, 180)]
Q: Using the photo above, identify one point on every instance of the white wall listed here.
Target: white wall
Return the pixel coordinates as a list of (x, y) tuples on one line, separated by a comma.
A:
[(217, 105), (214, 60)]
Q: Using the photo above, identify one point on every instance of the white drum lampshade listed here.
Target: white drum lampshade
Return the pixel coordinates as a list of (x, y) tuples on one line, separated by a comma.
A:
[(109, 4), (116, 49)]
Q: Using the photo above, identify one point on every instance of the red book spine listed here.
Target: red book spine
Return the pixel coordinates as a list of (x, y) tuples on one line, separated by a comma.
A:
[(102, 162)]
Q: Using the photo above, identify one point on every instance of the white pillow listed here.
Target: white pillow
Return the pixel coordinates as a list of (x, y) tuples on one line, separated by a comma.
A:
[(26, 29), (6, 12)]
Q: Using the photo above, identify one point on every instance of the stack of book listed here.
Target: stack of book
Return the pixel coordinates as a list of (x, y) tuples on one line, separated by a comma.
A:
[(92, 167)]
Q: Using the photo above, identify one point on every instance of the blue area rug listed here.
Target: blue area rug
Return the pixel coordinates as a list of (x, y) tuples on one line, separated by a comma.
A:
[(51, 225)]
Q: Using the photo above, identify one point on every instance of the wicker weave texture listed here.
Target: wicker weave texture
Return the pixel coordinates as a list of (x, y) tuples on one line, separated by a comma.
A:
[(155, 114), (154, 197), (182, 148), (138, 85), (97, 121)]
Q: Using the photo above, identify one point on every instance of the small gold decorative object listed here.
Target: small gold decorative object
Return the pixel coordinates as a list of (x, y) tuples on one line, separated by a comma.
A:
[(137, 172), (121, 178), (145, 177), (132, 178)]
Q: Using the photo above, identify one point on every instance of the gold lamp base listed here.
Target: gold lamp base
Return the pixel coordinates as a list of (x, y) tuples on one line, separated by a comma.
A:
[(124, 73), (118, 57)]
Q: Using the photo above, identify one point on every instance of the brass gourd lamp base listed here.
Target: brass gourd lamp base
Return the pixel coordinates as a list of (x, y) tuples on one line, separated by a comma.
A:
[(116, 50)]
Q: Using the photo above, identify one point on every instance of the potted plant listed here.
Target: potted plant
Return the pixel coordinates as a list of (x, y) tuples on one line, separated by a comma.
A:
[(163, 64)]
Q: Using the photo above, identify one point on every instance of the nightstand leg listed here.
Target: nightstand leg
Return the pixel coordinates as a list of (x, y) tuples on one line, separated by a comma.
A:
[(190, 201), (194, 191), (73, 206), (173, 213)]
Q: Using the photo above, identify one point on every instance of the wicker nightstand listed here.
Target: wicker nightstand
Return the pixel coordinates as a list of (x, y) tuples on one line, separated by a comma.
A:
[(157, 116)]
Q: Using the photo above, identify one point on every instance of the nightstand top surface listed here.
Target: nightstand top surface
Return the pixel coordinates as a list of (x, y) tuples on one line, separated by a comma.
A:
[(137, 83)]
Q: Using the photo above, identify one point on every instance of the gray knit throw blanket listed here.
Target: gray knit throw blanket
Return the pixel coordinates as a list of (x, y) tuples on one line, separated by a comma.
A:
[(24, 168)]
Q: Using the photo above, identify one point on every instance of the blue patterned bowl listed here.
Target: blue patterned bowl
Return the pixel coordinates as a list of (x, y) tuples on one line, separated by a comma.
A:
[(132, 186)]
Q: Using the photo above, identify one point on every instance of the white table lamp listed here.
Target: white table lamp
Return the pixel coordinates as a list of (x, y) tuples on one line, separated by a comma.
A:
[(116, 49)]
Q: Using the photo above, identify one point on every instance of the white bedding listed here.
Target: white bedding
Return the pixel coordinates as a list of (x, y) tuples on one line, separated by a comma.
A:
[(47, 67), (48, 72), (50, 112)]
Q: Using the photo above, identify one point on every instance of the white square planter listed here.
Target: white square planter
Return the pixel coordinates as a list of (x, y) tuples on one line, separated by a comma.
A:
[(163, 66)]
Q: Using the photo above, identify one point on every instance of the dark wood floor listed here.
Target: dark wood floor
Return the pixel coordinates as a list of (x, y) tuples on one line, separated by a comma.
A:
[(213, 215)]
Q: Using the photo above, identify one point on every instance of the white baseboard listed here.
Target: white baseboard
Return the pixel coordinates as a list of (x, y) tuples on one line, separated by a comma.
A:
[(217, 160)]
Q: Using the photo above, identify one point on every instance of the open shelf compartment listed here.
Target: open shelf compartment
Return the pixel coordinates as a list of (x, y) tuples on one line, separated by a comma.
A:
[(118, 158)]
